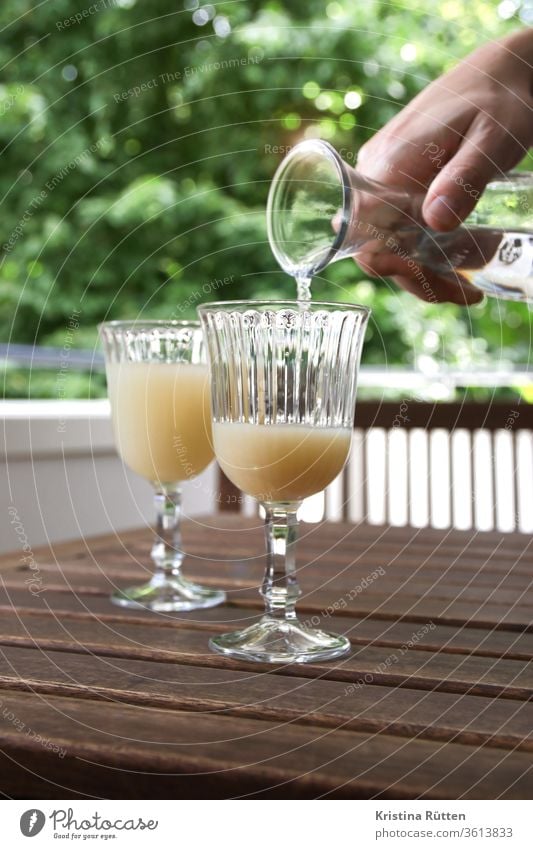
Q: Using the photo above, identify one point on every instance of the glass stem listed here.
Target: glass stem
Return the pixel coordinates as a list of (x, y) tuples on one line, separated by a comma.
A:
[(167, 552), (280, 588)]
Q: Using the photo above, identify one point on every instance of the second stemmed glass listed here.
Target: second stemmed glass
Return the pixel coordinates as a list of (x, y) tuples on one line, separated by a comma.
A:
[(283, 384), (158, 386)]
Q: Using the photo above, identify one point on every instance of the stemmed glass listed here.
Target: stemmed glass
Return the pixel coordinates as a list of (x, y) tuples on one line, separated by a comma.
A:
[(158, 386), (283, 386)]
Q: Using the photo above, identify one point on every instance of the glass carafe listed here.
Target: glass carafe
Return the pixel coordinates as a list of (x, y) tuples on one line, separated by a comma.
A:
[(321, 210)]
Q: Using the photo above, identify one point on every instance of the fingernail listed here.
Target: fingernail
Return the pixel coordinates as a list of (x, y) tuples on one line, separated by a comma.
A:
[(447, 209)]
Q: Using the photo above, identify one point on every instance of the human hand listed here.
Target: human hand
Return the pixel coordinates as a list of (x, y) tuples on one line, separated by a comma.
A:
[(469, 125)]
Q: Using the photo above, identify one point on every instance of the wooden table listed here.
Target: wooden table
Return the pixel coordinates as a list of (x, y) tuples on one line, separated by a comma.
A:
[(434, 701)]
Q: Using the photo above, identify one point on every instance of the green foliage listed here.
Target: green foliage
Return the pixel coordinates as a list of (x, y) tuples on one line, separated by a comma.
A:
[(138, 146)]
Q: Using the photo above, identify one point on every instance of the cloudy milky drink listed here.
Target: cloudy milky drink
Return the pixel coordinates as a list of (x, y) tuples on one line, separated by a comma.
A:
[(161, 418), (281, 462)]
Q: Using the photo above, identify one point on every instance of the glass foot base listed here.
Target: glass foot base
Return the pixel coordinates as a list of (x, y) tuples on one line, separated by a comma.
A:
[(280, 641), (168, 595)]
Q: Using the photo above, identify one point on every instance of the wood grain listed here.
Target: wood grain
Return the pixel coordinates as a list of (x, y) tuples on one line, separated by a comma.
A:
[(397, 665), (435, 700), (131, 752), (474, 720)]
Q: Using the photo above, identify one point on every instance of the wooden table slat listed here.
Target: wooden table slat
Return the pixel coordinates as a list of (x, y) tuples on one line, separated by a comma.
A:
[(414, 668), (445, 714), (487, 642), (128, 748), (474, 720)]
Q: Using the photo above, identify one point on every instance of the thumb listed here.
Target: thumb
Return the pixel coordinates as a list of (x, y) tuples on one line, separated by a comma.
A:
[(487, 149)]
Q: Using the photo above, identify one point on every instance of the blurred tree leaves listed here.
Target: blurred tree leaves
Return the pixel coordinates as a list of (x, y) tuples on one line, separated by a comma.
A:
[(138, 142)]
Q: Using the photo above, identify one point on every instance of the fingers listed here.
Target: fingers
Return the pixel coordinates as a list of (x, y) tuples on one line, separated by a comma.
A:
[(444, 289), (420, 281), (411, 148), (383, 264), (487, 150), (407, 163)]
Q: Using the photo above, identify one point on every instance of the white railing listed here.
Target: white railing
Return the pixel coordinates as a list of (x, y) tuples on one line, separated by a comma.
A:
[(61, 477), (439, 479), (60, 471)]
